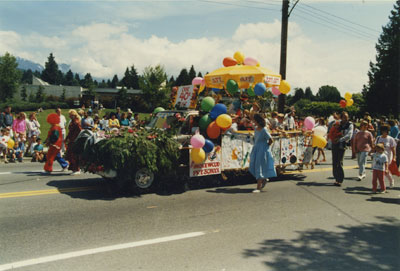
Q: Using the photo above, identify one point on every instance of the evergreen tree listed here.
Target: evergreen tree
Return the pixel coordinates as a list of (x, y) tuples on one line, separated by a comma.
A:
[(308, 94), (298, 95), (77, 79), (134, 78), (24, 95), (9, 76), (27, 77), (125, 81), (199, 74), (50, 72), (192, 74), (171, 81), (60, 78), (69, 78), (103, 84), (183, 78), (114, 81), (382, 94), (31, 98), (87, 81), (122, 98), (109, 83), (328, 94), (39, 95)]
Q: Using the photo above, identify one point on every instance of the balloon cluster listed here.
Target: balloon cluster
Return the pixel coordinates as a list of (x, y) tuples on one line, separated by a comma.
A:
[(348, 100), (319, 132), (212, 123), (260, 88)]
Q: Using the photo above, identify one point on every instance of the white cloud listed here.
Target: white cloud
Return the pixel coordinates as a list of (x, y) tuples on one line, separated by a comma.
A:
[(263, 31), (107, 49)]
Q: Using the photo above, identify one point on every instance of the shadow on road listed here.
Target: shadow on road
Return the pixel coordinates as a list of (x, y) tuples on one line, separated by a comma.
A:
[(385, 200), (360, 190), (231, 190), (372, 246), (314, 184)]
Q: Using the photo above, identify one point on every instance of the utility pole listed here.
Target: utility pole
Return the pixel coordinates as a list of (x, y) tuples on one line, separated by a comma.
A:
[(284, 34)]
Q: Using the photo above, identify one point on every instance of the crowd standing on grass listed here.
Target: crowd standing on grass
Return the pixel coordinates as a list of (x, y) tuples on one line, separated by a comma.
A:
[(366, 137)]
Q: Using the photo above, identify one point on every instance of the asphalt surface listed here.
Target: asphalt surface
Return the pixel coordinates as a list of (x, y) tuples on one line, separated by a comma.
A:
[(300, 222)]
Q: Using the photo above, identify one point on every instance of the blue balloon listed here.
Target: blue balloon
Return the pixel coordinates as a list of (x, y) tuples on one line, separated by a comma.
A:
[(260, 89), (217, 110), (216, 90), (208, 146)]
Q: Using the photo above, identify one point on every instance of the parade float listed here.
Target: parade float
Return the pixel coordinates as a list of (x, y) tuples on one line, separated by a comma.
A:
[(193, 139)]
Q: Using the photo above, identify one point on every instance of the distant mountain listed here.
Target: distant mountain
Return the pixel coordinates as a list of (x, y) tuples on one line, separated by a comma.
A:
[(24, 64), (64, 67)]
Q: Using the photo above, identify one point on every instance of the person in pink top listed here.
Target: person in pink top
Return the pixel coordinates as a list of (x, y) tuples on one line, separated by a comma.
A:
[(19, 125), (363, 143)]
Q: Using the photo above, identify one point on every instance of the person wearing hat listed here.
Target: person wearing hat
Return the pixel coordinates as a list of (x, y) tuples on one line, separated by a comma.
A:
[(379, 168)]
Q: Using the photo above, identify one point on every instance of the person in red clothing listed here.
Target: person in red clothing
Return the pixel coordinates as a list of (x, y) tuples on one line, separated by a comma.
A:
[(53, 141), (74, 128)]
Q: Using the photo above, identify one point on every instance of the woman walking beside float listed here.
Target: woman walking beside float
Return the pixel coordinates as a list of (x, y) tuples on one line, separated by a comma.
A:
[(261, 161), (74, 128)]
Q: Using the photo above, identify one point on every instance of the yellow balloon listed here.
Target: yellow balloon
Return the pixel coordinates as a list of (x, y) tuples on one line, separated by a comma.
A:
[(350, 102), (348, 96), (202, 87), (198, 155), (284, 87), (10, 143), (319, 141), (224, 121), (239, 57)]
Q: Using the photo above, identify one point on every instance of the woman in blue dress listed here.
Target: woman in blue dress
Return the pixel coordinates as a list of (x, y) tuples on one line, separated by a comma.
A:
[(261, 161)]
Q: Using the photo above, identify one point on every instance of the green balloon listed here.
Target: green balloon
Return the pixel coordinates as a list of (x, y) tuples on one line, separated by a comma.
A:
[(232, 86), (204, 122), (250, 92), (158, 109), (207, 104)]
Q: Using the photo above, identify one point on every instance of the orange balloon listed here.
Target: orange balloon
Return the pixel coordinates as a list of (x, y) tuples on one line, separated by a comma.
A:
[(213, 130), (229, 61)]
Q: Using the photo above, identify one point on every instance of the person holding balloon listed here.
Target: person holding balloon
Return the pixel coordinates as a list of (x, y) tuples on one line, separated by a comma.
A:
[(343, 133), (261, 161)]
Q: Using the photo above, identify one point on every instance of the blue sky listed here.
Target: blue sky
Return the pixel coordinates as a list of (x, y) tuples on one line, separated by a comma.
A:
[(330, 42)]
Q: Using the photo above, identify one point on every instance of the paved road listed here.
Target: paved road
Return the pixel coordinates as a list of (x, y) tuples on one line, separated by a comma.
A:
[(301, 222)]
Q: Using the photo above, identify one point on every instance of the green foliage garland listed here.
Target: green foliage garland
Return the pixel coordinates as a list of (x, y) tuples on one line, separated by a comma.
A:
[(129, 151)]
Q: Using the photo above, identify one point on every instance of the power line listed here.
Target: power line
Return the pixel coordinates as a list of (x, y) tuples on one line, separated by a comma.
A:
[(338, 24), (332, 27), (341, 18)]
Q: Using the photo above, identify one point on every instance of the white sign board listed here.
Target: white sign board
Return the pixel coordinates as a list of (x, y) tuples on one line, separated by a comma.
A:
[(184, 96), (211, 166)]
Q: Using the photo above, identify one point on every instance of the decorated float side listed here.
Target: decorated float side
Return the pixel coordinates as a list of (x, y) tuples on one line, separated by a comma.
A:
[(185, 142)]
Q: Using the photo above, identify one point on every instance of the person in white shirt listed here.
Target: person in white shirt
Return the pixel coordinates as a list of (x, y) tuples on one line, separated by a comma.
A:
[(289, 120), (63, 122), (33, 127)]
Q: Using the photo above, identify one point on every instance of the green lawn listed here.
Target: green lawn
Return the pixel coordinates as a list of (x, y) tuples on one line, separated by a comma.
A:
[(44, 126)]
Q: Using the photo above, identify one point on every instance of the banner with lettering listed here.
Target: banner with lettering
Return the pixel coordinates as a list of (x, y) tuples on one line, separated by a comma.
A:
[(185, 97), (211, 166)]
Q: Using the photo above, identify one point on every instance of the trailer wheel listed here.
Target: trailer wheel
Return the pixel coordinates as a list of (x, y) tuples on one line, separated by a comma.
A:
[(144, 178)]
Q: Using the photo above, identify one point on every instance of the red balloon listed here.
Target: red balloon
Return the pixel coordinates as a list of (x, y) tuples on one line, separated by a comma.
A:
[(342, 103), (229, 61), (213, 130)]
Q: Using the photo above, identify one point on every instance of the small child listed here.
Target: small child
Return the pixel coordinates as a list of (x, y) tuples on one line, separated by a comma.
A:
[(379, 167), (19, 149), (38, 154), (4, 138)]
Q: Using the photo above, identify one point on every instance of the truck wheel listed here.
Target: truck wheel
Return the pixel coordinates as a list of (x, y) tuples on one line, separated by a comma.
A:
[(144, 178)]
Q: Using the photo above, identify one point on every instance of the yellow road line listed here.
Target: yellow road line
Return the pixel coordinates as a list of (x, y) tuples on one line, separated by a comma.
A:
[(45, 192)]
